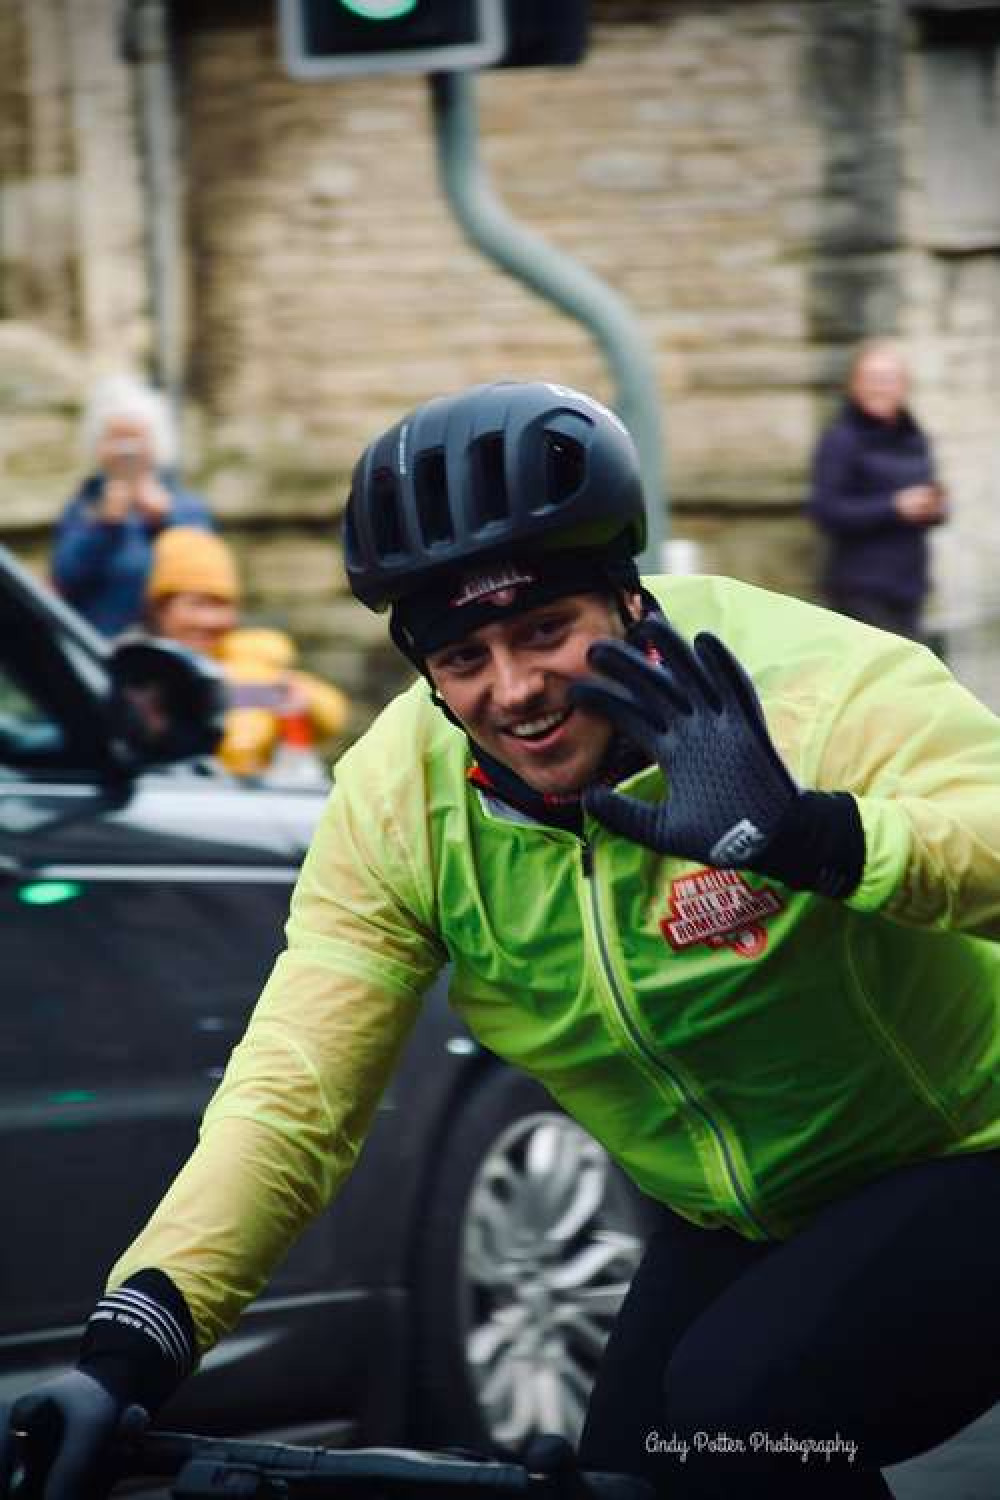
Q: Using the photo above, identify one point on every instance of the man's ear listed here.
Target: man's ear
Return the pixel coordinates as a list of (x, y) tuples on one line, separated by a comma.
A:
[(632, 602), (627, 605)]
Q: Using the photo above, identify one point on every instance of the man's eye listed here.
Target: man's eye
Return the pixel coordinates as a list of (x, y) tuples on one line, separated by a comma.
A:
[(459, 661), (547, 630)]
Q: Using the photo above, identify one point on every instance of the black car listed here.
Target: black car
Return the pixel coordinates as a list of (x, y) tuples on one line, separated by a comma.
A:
[(462, 1286)]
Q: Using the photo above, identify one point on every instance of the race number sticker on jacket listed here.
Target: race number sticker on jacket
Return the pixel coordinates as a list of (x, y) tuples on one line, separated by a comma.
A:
[(720, 909)]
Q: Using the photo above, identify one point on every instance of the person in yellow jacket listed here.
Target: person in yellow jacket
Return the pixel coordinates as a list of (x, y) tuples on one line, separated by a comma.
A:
[(718, 868), (193, 597)]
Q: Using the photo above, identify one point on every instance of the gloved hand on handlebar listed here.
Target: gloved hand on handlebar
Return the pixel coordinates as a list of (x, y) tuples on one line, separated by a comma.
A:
[(58, 1437), (730, 800), (56, 1441)]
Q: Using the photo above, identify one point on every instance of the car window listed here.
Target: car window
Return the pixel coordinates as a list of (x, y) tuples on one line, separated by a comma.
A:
[(27, 730)]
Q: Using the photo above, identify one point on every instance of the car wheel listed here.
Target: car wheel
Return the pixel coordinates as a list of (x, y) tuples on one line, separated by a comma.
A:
[(527, 1243)]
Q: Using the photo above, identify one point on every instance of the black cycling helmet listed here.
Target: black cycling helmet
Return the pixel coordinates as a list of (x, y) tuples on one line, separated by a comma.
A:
[(494, 471)]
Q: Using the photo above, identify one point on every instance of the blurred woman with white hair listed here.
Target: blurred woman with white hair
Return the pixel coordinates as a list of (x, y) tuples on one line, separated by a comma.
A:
[(104, 541)]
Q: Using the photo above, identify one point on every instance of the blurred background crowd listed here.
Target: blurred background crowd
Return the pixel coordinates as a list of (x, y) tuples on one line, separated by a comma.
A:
[(216, 282)]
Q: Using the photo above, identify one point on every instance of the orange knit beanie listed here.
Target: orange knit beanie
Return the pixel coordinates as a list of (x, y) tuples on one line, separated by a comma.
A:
[(187, 560)]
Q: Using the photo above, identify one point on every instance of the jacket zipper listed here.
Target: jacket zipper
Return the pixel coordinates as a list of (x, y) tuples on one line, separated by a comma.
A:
[(651, 1056)]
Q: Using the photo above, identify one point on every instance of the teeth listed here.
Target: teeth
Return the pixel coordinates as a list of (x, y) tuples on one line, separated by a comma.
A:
[(538, 726)]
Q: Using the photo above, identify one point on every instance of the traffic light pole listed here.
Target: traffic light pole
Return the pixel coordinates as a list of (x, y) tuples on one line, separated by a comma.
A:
[(560, 280)]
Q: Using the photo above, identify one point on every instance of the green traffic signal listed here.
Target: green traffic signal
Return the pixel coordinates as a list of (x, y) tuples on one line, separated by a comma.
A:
[(379, 10)]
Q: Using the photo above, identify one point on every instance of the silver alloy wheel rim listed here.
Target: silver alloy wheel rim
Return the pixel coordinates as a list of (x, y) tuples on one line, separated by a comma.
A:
[(549, 1247)]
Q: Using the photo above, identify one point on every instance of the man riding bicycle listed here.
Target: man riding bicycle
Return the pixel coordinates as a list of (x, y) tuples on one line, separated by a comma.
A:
[(722, 871)]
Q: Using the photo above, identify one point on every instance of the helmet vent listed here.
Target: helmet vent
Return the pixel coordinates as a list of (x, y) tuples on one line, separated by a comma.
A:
[(565, 468), (489, 479), (430, 483), (387, 533)]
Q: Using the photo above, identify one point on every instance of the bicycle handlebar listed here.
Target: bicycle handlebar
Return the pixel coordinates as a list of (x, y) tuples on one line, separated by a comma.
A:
[(355, 1469), (211, 1467)]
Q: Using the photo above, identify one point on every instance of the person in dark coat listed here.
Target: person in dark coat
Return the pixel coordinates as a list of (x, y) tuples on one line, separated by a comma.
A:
[(103, 545), (875, 494)]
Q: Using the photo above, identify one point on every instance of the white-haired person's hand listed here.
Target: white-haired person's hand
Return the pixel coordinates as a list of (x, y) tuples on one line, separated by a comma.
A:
[(152, 500), (131, 484)]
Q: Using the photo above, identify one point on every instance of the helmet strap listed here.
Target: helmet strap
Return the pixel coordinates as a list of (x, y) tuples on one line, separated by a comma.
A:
[(439, 702)]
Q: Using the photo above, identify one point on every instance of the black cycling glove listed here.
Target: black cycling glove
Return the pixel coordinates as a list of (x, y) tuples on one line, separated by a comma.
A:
[(730, 800), (57, 1440)]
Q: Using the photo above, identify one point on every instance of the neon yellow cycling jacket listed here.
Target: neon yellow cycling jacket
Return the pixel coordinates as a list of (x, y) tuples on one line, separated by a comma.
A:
[(747, 1053)]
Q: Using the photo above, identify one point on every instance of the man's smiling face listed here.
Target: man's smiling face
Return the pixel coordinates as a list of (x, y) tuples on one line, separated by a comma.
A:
[(508, 684)]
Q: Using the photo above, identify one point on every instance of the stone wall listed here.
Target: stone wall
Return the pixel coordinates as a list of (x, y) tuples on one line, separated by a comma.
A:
[(950, 322), (748, 173), (72, 278)]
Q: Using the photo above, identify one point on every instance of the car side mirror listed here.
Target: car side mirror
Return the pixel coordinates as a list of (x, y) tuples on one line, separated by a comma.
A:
[(167, 704)]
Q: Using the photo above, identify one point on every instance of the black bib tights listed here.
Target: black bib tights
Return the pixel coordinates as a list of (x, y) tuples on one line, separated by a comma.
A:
[(878, 1326)]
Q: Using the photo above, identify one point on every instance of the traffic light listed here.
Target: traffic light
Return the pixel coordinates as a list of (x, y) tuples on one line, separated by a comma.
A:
[(331, 38), (337, 38)]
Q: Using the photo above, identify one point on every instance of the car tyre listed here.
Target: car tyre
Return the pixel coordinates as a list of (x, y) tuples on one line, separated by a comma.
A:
[(527, 1240)]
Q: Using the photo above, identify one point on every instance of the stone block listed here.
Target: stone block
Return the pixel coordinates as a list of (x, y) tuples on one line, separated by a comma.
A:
[(292, 566)]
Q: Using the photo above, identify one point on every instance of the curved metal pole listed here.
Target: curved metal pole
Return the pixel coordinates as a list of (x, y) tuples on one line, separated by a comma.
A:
[(559, 279), (151, 53)]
